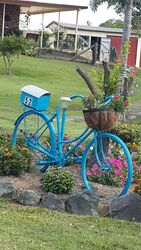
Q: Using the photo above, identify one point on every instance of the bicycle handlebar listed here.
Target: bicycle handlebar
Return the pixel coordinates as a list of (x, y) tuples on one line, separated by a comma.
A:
[(108, 99), (76, 96)]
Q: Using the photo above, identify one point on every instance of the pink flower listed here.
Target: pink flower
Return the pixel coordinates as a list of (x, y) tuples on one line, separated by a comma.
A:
[(122, 183), (117, 172), (99, 175), (134, 162), (89, 173), (95, 167), (113, 161), (118, 163), (125, 164)]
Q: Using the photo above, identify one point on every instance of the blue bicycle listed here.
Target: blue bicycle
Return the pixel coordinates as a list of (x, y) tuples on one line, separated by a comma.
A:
[(44, 131)]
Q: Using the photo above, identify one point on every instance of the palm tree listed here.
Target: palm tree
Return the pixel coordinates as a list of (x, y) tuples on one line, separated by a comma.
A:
[(127, 7)]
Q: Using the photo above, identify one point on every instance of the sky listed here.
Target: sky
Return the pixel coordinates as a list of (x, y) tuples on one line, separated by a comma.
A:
[(95, 19)]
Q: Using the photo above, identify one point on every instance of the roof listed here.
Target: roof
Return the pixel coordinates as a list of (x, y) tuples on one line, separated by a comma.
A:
[(42, 6), (88, 28)]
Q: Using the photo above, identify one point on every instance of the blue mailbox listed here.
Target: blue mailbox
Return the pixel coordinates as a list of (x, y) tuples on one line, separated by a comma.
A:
[(35, 97)]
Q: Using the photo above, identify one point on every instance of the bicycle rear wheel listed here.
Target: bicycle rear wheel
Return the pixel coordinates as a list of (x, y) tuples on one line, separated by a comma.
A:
[(107, 164), (35, 130)]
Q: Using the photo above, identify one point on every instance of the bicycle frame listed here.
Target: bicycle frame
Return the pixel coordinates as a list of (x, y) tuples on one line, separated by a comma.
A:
[(60, 158), (61, 131)]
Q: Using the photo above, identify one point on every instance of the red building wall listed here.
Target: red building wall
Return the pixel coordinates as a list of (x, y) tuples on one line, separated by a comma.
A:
[(12, 13), (116, 42)]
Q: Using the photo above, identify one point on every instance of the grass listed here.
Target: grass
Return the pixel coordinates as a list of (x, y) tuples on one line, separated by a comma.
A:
[(58, 77), (137, 91), (37, 228)]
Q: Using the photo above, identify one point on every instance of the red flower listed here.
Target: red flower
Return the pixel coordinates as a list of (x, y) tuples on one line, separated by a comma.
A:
[(115, 97), (125, 103)]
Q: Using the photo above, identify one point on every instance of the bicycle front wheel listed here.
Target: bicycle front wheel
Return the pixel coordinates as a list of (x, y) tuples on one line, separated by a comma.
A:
[(108, 165), (35, 130)]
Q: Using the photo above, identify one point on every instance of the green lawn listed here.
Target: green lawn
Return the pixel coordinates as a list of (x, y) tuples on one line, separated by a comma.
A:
[(57, 76), (40, 229)]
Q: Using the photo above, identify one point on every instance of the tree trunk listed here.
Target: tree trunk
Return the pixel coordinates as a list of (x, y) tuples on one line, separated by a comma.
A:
[(106, 78), (87, 80), (125, 40)]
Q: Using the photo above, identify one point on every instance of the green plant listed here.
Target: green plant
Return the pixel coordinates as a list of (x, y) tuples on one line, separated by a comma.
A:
[(118, 103), (10, 46), (129, 133), (32, 48), (113, 82), (58, 181), (90, 102), (137, 187), (13, 160)]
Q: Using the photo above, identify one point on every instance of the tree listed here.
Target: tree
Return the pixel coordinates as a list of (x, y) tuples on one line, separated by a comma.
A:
[(127, 8), (112, 23), (10, 47)]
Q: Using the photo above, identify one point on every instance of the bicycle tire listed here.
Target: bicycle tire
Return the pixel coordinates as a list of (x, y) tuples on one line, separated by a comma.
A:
[(106, 165), (35, 130)]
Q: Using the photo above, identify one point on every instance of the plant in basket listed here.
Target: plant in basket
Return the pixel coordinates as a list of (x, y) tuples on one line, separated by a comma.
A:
[(102, 112), (119, 103)]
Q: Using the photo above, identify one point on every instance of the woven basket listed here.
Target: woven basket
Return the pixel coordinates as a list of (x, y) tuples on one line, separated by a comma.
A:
[(100, 119)]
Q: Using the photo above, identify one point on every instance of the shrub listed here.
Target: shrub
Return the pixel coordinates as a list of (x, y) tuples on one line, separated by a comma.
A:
[(137, 187), (13, 160), (57, 180), (128, 132), (10, 47)]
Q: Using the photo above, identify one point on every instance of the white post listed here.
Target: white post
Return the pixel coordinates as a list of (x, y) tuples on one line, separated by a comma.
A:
[(89, 41), (3, 21), (58, 29), (138, 53), (42, 31), (76, 32)]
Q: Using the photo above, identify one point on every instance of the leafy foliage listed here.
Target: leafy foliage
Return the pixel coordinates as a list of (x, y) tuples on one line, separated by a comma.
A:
[(13, 161), (113, 82), (137, 187), (112, 23), (11, 46), (58, 181), (129, 133)]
